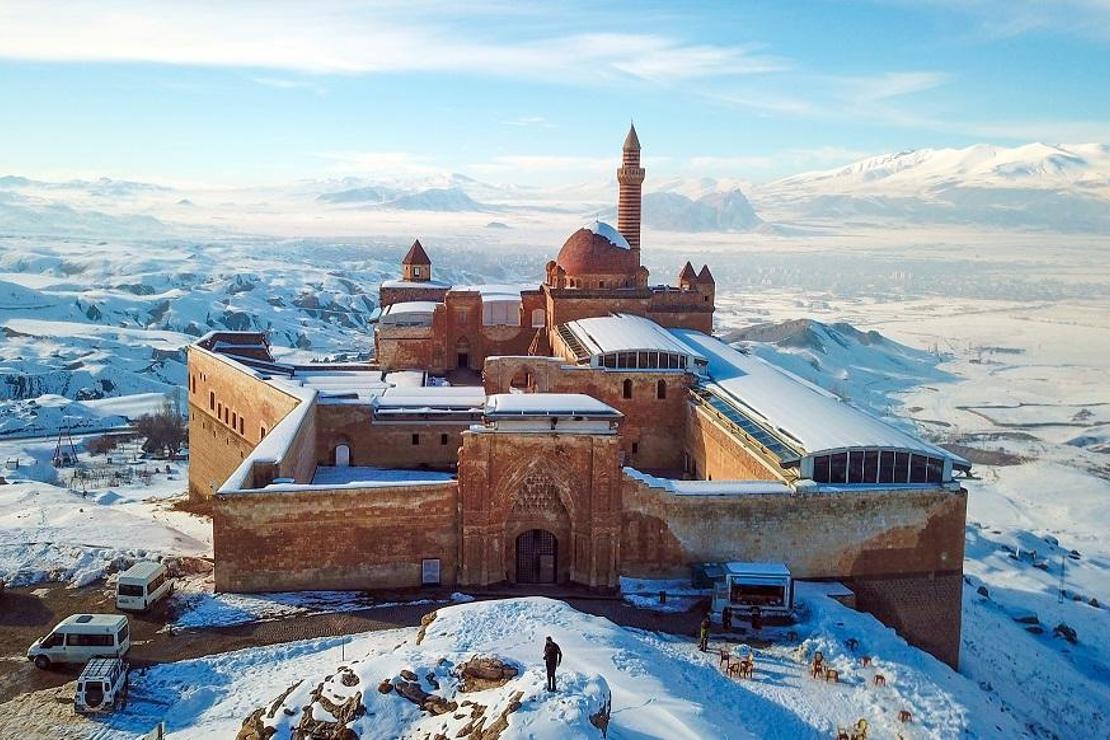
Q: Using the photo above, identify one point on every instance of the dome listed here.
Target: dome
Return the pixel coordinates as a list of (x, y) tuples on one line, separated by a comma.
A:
[(597, 249)]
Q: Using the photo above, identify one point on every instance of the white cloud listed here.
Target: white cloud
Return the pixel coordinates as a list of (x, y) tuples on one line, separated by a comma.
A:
[(341, 37), (379, 163)]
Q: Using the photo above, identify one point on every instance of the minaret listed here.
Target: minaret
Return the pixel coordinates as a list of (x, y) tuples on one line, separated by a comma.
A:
[(630, 176)]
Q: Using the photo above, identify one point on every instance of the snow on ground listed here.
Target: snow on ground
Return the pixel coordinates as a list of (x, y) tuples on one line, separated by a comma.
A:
[(50, 532), (660, 685), (1023, 389), (198, 607)]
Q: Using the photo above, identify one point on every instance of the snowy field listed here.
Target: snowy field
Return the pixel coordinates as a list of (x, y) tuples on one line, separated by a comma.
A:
[(658, 686)]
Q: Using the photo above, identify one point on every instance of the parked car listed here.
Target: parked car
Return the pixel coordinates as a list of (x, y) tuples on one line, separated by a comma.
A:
[(141, 585), (102, 686), (81, 637)]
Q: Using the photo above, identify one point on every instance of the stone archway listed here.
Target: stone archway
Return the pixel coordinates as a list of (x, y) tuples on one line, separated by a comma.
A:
[(537, 557), (538, 533)]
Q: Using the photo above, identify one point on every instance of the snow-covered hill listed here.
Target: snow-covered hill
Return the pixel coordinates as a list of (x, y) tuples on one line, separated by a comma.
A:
[(862, 367), (414, 683)]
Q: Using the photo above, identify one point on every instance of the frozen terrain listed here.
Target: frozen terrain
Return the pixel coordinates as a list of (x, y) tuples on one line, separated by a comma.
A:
[(964, 294), (652, 685)]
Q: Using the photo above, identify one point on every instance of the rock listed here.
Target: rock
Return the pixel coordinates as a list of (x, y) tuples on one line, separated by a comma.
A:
[(412, 692), (432, 680), (600, 719), (253, 729), (348, 678), (1094, 602), (408, 675), (482, 672), (385, 686), (982, 591), (1068, 633), (425, 620), (1029, 618), (436, 705)]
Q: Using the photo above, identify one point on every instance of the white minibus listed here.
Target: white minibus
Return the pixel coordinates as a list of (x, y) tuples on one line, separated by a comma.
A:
[(141, 585), (82, 637)]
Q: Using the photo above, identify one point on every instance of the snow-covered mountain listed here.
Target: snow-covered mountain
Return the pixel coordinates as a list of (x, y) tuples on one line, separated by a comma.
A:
[(669, 210), (1058, 188)]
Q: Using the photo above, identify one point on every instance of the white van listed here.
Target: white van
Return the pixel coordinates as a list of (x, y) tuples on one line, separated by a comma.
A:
[(141, 585), (101, 686), (82, 637)]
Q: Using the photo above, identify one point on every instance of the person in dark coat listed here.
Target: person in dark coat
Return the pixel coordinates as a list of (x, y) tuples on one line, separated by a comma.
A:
[(552, 657), (703, 635), (726, 618)]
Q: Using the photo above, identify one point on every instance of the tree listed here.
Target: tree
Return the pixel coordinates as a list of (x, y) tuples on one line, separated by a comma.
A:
[(102, 445), (165, 432)]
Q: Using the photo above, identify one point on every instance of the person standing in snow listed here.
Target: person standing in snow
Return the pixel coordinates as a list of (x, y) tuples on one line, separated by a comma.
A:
[(552, 657), (703, 635), (726, 619)]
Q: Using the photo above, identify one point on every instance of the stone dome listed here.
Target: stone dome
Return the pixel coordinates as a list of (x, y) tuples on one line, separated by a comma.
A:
[(597, 249)]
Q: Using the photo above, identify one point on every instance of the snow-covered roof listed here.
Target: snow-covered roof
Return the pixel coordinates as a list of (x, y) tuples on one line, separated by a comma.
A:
[(626, 332), (803, 414), (431, 398), (547, 404), (365, 384), (603, 229), (437, 284), (410, 307), (758, 569), (369, 476), (711, 487), (495, 292)]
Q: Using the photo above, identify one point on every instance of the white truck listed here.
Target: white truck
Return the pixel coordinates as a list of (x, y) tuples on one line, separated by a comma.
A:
[(82, 637), (746, 587)]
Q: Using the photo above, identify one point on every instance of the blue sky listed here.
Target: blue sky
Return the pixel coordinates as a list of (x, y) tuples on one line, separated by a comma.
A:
[(255, 93)]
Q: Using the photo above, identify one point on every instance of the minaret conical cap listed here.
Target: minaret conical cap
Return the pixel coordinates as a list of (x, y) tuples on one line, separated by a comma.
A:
[(632, 141)]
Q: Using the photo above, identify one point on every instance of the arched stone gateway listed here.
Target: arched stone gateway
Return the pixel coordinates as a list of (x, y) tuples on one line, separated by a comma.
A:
[(537, 555)]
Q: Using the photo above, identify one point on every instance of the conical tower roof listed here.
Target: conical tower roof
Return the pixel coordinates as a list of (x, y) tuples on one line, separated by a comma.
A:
[(632, 141), (687, 275), (416, 255), (705, 276)]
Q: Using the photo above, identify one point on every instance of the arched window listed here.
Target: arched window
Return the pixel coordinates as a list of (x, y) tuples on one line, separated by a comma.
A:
[(342, 456), (539, 318), (627, 388), (661, 389)]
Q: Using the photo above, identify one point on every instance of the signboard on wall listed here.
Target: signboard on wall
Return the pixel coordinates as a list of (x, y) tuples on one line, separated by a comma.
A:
[(429, 571)]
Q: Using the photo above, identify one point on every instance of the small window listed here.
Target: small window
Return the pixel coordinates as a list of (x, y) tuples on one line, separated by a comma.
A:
[(416, 439), (234, 420), (443, 438), (211, 400), (661, 389), (242, 426), (220, 411), (192, 383), (601, 284), (635, 447), (261, 433), (416, 271), (627, 388)]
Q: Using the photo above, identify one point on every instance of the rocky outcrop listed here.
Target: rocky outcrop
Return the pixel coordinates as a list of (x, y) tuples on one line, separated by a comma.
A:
[(481, 673)]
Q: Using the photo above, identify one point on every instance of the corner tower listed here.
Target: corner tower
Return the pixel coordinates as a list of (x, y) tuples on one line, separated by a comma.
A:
[(416, 267), (630, 176)]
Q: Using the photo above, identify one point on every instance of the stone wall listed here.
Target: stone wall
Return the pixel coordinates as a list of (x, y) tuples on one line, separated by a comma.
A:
[(387, 445), (652, 426), (390, 295), (903, 547), (344, 538), (713, 453), (222, 392)]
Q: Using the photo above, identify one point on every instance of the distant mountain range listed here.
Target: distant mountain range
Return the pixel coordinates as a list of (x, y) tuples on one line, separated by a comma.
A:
[(1039, 186), (1064, 189)]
